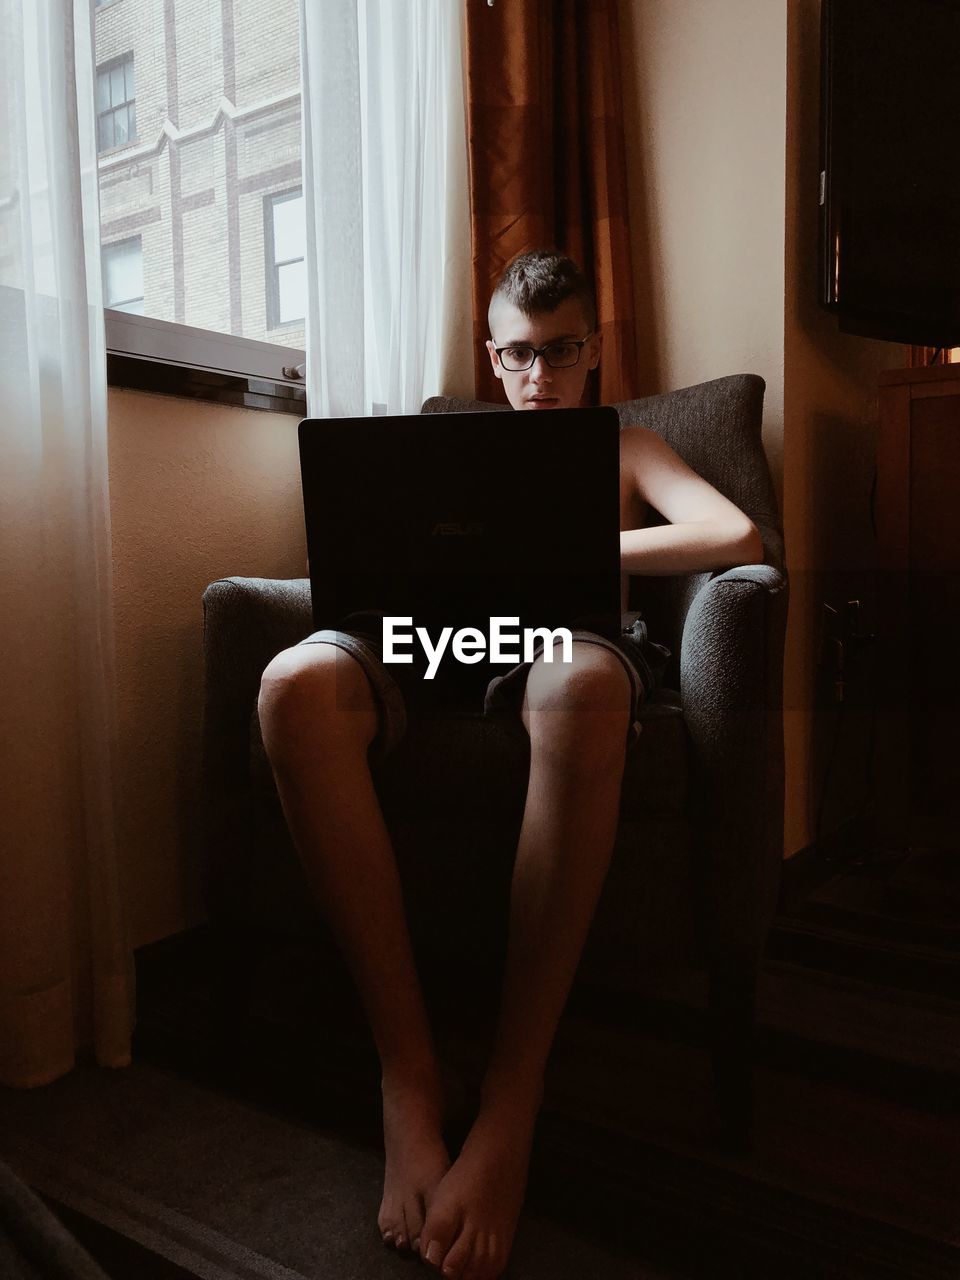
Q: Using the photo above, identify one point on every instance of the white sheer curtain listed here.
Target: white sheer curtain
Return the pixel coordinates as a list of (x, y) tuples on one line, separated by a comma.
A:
[(385, 181), (65, 966)]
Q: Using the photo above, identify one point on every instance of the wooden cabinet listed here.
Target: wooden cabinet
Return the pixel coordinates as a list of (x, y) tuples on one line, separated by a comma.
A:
[(918, 535)]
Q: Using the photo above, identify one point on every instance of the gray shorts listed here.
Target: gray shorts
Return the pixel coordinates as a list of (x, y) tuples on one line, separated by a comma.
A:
[(402, 693)]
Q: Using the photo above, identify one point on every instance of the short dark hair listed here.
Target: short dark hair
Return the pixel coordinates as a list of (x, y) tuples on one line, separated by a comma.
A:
[(540, 280)]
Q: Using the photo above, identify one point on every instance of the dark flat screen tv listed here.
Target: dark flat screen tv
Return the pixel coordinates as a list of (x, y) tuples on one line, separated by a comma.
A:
[(890, 168)]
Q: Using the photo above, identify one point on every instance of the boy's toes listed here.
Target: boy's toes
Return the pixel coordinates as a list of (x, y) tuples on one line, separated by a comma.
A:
[(438, 1234), (393, 1228), (413, 1215), (481, 1265), (457, 1262), (487, 1261), (389, 1228)]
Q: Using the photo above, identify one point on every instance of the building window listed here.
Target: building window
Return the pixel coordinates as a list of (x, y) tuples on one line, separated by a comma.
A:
[(216, 91), (123, 275), (116, 105), (283, 228)]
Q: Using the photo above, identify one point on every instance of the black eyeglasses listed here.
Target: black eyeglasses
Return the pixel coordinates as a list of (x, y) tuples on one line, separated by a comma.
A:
[(558, 355)]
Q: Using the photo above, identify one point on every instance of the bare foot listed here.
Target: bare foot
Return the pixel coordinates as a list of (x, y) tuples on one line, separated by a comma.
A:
[(416, 1160), (472, 1217)]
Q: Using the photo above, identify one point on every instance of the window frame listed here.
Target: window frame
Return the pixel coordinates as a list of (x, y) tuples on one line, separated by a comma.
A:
[(121, 60), (147, 354), (104, 250), (271, 265), (165, 341)]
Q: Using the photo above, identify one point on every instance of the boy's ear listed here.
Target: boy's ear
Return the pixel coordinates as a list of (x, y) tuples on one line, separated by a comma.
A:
[(494, 360), (595, 345)]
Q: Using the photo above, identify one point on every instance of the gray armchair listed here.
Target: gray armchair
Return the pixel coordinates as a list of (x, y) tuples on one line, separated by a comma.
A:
[(692, 885)]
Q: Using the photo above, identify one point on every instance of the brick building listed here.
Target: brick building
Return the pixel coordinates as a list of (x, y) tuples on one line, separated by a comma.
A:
[(198, 133)]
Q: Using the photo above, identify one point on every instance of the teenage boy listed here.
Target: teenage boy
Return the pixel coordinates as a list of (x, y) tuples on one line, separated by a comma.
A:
[(329, 702)]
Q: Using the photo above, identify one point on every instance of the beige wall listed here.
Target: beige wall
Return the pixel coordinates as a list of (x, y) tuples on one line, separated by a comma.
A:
[(198, 492), (705, 103), (722, 100)]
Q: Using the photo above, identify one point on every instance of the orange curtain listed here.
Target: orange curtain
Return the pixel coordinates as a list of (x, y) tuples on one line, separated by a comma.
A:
[(548, 163)]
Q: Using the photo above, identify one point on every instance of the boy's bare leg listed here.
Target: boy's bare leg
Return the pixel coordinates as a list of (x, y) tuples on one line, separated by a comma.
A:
[(318, 718), (577, 720)]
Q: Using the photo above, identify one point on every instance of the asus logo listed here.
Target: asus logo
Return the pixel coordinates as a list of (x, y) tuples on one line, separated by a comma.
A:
[(448, 528)]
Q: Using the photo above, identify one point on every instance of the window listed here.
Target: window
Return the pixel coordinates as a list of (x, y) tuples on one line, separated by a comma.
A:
[(123, 275), (116, 106), (284, 258), (207, 177)]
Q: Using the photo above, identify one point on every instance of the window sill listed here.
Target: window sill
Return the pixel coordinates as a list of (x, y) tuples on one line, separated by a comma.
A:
[(205, 384), (116, 153), (158, 356)]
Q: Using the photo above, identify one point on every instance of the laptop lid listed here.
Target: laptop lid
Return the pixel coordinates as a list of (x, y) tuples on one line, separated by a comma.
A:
[(451, 519)]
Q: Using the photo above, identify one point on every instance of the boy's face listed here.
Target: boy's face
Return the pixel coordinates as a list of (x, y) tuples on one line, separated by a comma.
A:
[(541, 386)]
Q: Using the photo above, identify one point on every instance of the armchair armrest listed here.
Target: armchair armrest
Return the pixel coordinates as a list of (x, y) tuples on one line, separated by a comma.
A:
[(246, 622), (731, 684)]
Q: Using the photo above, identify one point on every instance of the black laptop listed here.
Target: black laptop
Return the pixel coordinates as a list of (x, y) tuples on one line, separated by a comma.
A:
[(451, 519)]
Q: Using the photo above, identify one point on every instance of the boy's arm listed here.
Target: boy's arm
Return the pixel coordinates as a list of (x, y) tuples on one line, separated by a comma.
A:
[(706, 530)]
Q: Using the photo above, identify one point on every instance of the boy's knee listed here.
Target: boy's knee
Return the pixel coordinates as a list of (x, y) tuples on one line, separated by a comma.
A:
[(590, 693), (314, 690)]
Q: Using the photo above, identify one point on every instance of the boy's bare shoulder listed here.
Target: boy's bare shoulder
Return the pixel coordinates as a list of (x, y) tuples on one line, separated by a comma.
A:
[(636, 436), (642, 447)]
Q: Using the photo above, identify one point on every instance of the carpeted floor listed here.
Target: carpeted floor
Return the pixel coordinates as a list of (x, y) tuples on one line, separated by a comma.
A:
[(228, 1191), (201, 1163), (218, 1186)]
